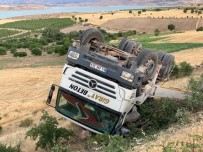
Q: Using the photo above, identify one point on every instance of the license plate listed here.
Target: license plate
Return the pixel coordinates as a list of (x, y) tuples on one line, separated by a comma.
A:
[(98, 67)]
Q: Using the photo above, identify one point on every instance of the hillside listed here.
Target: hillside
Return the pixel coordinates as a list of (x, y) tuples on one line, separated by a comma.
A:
[(103, 2)]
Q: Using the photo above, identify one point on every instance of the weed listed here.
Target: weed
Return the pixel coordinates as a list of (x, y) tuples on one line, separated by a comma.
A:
[(108, 143), (5, 148), (26, 123), (47, 132)]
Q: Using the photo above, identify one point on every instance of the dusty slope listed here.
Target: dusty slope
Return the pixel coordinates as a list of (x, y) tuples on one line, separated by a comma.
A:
[(25, 90), (149, 24), (193, 56)]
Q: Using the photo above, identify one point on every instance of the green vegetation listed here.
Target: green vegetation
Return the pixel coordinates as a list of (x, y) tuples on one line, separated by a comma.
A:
[(19, 54), (130, 11), (2, 50), (108, 143), (156, 32), (37, 51), (1, 129), (40, 23), (195, 145), (171, 27), (101, 17), (61, 147), (139, 12), (199, 28), (5, 148), (47, 132), (182, 70), (5, 32), (26, 122)]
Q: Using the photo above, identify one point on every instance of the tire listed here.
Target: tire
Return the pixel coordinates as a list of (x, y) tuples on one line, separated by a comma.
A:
[(167, 64), (145, 57), (129, 47), (123, 43), (91, 34), (161, 56)]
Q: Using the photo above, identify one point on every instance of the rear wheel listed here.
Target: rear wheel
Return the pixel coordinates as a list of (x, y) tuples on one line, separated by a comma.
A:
[(123, 43), (167, 64), (149, 60), (90, 35)]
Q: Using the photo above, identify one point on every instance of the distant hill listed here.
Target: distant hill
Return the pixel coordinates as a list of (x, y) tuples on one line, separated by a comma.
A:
[(103, 2)]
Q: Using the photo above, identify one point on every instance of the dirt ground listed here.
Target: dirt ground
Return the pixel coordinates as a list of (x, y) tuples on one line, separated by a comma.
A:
[(185, 37), (150, 24), (23, 93)]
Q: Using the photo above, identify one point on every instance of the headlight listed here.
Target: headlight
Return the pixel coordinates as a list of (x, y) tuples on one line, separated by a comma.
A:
[(73, 55), (127, 76)]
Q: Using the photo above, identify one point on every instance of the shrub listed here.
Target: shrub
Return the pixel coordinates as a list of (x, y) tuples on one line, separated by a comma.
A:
[(185, 10), (108, 143), (101, 17), (199, 12), (47, 132), (120, 34), (192, 10), (139, 12), (20, 54), (2, 51), (157, 9), (5, 148), (61, 50), (61, 147), (171, 27), (26, 123), (1, 129), (194, 101), (13, 50), (199, 28), (37, 51), (130, 11), (185, 69), (144, 10), (86, 20), (156, 32), (182, 70)]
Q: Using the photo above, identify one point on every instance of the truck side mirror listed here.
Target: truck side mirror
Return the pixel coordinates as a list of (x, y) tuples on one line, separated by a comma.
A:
[(49, 98)]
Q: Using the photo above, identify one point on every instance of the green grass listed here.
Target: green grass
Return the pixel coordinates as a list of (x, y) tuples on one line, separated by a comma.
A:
[(39, 24), (148, 39), (5, 32), (171, 47)]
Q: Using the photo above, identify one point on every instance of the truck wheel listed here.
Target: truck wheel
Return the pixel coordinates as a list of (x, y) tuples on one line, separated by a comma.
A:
[(148, 59), (161, 56), (129, 47), (167, 65), (123, 43), (89, 35)]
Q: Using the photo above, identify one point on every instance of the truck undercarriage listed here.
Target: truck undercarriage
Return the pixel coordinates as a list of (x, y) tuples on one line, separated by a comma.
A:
[(101, 84)]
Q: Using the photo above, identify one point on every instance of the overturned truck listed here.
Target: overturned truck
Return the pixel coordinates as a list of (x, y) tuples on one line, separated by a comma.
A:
[(101, 85)]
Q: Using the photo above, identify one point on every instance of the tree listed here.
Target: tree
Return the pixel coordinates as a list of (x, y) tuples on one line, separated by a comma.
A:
[(139, 12), (37, 51), (2, 51), (130, 11), (101, 17), (144, 10), (51, 33), (86, 20), (185, 10), (171, 27), (199, 12), (156, 32), (192, 10), (47, 132)]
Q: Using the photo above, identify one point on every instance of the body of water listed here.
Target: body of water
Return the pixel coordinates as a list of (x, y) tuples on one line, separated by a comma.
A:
[(9, 14)]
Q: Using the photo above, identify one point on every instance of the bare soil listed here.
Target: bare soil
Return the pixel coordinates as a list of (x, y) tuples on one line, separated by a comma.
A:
[(149, 24), (185, 37)]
